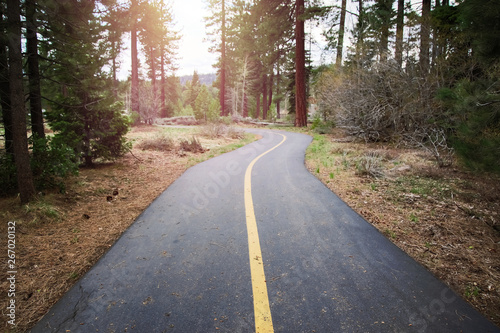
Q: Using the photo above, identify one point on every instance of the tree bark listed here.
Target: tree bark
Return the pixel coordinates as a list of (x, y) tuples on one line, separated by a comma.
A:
[(163, 96), (386, 10), (4, 87), (399, 33), (264, 97), (21, 155), (300, 67), (257, 107), (340, 45), (222, 92), (135, 60), (35, 95), (425, 36), (270, 96)]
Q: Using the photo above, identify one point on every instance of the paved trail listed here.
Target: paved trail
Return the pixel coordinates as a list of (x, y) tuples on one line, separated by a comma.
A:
[(247, 240)]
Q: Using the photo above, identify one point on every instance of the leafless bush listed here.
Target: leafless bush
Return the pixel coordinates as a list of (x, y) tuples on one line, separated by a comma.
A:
[(434, 141), (370, 165), (159, 142), (385, 103), (234, 133), (214, 130), (192, 145), (181, 120), (149, 102), (377, 104)]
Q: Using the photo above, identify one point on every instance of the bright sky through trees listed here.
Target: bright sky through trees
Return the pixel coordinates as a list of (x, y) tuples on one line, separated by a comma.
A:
[(193, 52)]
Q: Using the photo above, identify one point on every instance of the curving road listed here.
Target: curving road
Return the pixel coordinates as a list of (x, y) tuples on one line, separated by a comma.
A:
[(252, 239)]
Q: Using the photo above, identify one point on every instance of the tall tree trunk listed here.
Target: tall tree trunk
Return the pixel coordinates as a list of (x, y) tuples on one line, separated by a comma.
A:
[(340, 45), (360, 54), (35, 95), (4, 87), (257, 107), (264, 97), (278, 91), (300, 67), (399, 32), (222, 92), (425, 36), (386, 10), (114, 67), (270, 96), (135, 60), (245, 105), (21, 155), (153, 73), (162, 96)]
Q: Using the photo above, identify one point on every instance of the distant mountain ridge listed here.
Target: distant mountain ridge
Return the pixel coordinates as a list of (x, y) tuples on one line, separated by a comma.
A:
[(206, 79)]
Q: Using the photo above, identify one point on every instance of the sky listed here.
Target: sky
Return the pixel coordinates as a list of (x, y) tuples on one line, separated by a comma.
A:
[(193, 51)]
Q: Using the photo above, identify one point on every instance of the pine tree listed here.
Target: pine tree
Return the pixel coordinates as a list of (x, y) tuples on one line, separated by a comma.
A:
[(84, 113), (300, 67), (20, 141)]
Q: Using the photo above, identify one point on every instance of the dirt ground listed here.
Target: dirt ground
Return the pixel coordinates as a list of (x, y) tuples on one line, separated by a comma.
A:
[(447, 219), (61, 236)]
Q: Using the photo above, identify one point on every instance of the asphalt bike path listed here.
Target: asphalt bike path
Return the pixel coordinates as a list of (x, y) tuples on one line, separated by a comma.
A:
[(251, 241)]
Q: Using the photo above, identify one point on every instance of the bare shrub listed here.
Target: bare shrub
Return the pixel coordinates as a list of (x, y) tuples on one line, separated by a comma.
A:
[(370, 164), (380, 103), (159, 143), (234, 133), (434, 141), (386, 103), (181, 120), (192, 145), (149, 102), (214, 130)]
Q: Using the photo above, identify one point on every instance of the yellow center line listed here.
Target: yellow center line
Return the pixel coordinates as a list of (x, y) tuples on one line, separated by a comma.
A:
[(262, 310)]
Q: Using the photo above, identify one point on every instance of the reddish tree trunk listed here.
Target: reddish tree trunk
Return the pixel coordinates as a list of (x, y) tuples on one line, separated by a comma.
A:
[(4, 87), (300, 67), (163, 96), (245, 105), (35, 95), (21, 155), (270, 96), (135, 62), (222, 94), (257, 107), (264, 97)]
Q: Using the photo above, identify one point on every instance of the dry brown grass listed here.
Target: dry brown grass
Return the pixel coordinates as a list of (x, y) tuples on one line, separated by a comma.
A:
[(60, 236), (447, 219)]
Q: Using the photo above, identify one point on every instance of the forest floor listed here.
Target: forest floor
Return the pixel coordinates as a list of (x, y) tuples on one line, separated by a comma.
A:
[(61, 236), (447, 219)]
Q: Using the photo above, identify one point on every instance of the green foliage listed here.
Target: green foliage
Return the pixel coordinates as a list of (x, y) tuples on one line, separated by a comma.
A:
[(322, 127), (480, 20), (201, 104), (52, 161), (134, 118), (82, 110), (475, 108), (8, 180)]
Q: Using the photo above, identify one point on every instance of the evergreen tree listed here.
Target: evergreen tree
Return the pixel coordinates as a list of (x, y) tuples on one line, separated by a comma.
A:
[(84, 113), (20, 141)]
